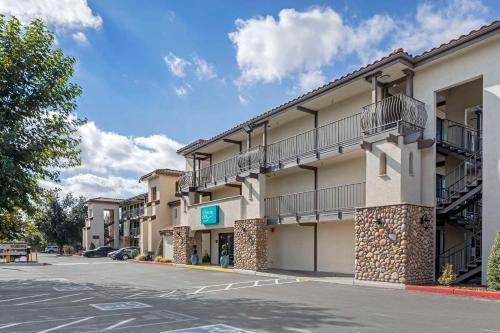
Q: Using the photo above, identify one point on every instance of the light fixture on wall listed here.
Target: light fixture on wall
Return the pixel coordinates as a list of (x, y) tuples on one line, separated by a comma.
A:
[(377, 220), (425, 221)]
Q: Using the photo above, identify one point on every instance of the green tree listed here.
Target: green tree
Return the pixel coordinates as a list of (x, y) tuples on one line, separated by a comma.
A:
[(37, 122), (62, 220), (494, 265)]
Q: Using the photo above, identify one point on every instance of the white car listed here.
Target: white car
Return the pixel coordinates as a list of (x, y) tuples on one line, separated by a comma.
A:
[(51, 249)]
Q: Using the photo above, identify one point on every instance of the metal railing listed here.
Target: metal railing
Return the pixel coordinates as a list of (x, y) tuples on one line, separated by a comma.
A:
[(396, 112), (344, 198), (343, 132), (457, 135), (245, 161), (134, 232), (460, 257), (133, 213), (457, 181)]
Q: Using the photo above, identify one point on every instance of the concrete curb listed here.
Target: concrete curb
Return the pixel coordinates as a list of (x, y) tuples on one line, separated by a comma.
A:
[(376, 284), (455, 291), (133, 261)]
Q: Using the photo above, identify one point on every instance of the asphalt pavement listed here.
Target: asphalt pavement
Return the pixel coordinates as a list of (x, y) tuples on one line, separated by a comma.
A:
[(74, 294)]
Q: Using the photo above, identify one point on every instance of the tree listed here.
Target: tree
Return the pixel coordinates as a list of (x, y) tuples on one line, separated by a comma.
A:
[(37, 122), (494, 265), (62, 219)]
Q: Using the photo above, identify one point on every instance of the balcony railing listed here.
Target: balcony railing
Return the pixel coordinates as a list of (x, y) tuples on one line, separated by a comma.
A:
[(134, 232), (246, 161), (344, 198), (452, 134), (456, 182), (343, 132), (399, 112), (133, 213)]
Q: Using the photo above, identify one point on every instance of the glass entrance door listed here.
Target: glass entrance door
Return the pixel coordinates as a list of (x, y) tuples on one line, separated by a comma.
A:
[(227, 238)]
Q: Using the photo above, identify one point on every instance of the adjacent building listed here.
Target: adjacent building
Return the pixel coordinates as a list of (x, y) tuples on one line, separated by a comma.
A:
[(102, 227), (386, 173)]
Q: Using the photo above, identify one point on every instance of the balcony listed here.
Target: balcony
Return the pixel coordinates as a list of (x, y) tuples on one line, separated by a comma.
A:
[(326, 201), (132, 214), (224, 171), (400, 113), (332, 137), (456, 137)]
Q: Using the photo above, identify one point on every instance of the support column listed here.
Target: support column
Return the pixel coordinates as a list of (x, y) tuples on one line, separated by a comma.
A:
[(409, 82), (250, 244), (183, 245), (394, 244)]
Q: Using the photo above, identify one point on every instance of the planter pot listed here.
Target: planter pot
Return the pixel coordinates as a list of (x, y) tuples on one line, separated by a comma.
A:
[(194, 259), (224, 261)]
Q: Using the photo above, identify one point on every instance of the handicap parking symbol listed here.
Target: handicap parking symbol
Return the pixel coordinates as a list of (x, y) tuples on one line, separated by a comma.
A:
[(120, 306)]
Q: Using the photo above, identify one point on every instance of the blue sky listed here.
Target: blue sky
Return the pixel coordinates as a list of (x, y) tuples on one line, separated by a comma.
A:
[(157, 74)]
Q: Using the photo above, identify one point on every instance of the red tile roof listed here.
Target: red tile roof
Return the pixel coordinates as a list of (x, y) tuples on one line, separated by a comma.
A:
[(104, 200), (398, 54), (164, 172)]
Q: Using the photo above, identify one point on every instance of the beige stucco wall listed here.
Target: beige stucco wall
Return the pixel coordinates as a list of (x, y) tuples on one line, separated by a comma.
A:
[(463, 66), (97, 223), (336, 247), (230, 210), (291, 247)]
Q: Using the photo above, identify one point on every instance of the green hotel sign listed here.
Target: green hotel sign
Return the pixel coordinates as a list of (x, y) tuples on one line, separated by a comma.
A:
[(210, 215)]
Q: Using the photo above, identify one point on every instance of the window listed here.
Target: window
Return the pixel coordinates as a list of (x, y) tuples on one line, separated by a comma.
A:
[(410, 164), (153, 193), (175, 212), (90, 212), (382, 169)]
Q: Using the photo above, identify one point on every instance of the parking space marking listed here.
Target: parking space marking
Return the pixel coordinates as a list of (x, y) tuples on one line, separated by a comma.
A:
[(23, 297), (120, 306), (48, 299), (9, 325), (217, 328), (65, 325), (72, 288), (119, 324)]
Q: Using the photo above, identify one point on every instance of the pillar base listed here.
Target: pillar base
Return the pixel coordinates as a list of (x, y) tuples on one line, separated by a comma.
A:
[(250, 244), (394, 244)]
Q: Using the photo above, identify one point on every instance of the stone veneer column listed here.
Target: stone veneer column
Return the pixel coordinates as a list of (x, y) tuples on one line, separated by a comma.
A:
[(250, 244), (183, 244), (400, 249)]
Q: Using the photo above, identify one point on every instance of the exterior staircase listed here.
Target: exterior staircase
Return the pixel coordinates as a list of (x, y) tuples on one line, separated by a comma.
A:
[(459, 202)]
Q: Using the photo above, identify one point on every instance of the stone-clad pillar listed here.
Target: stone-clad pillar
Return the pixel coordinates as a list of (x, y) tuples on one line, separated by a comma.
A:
[(250, 244), (183, 244), (394, 244)]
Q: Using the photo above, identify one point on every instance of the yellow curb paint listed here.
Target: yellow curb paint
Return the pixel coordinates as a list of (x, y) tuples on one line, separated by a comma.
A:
[(210, 268)]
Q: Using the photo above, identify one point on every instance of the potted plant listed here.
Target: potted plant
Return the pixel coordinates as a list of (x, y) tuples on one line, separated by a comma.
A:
[(206, 258), (224, 256), (194, 256)]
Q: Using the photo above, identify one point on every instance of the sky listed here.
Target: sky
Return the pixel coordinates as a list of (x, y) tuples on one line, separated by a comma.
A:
[(159, 74)]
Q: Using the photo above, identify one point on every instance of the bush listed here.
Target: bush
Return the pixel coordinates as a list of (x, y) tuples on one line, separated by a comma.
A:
[(493, 276), (159, 248), (448, 277), (165, 260), (158, 258), (134, 253), (92, 246), (143, 257)]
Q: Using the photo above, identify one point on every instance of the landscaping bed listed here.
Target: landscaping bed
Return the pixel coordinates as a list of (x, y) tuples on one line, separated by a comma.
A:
[(149, 262)]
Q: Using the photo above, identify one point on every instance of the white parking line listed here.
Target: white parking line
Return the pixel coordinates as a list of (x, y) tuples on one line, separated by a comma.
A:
[(49, 299), (9, 325), (65, 325), (13, 299), (118, 324)]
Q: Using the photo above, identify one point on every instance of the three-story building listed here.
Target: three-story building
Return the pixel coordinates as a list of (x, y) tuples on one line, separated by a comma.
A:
[(386, 173)]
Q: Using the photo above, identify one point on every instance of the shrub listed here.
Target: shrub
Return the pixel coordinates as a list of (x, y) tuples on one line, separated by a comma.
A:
[(134, 253), (159, 249), (92, 246), (224, 251), (447, 278), (158, 258), (143, 257), (493, 276), (164, 260)]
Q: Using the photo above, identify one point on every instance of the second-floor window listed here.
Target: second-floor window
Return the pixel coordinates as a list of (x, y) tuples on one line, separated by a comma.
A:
[(382, 168), (410, 166), (153, 194)]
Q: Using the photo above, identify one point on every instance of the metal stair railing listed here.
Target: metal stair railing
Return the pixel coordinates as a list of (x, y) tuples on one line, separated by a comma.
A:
[(457, 135)]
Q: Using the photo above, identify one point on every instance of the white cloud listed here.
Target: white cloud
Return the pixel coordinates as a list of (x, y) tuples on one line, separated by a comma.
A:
[(73, 14), (91, 185), (204, 70), (243, 100), (436, 24), (176, 65), (182, 90), (311, 80), (80, 38), (299, 45), (106, 152)]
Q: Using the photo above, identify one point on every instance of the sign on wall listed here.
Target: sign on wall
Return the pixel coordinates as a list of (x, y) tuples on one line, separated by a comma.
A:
[(209, 215)]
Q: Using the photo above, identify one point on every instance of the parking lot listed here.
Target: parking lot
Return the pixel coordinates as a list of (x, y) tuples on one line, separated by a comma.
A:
[(74, 294)]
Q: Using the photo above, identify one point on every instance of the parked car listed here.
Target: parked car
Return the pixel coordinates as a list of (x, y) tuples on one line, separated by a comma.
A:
[(125, 253), (101, 251), (51, 249)]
